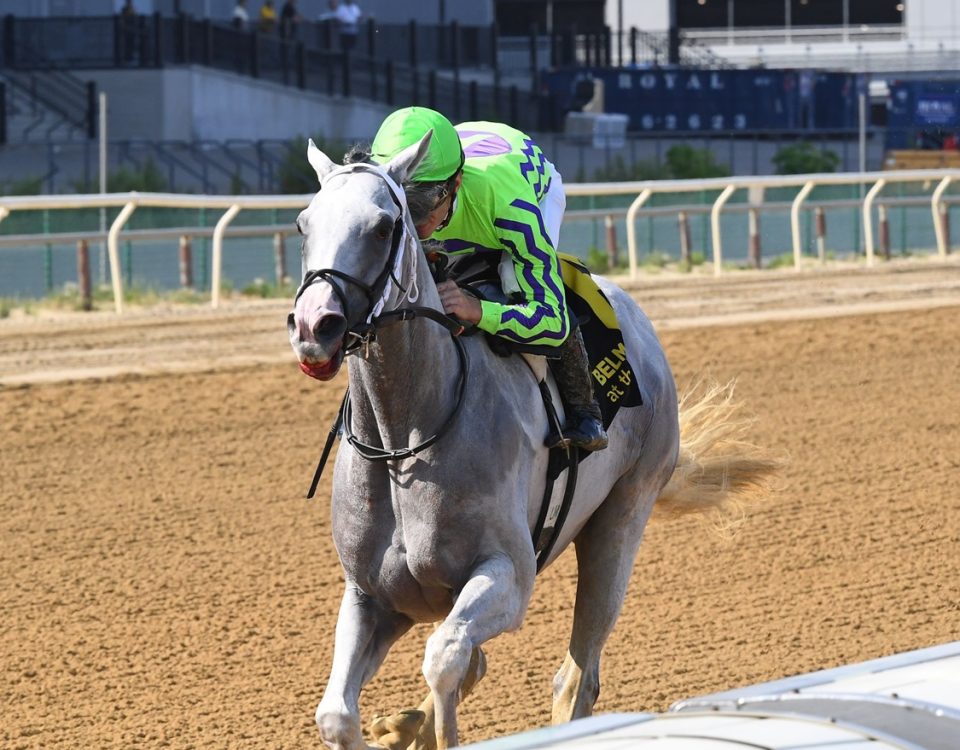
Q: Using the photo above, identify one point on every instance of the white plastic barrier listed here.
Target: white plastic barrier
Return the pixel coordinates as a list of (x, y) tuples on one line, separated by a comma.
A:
[(807, 182), (726, 186)]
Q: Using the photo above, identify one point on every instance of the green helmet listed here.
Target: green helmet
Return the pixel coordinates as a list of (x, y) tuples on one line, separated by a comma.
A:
[(407, 126)]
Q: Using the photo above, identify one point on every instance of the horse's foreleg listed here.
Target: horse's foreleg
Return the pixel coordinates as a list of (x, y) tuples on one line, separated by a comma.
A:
[(365, 632), (427, 735), (606, 548), (492, 601)]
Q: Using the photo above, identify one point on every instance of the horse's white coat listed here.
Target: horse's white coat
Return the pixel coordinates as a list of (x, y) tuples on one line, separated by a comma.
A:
[(446, 536)]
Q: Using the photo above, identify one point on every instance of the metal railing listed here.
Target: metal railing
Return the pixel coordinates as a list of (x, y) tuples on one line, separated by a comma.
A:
[(724, 187)]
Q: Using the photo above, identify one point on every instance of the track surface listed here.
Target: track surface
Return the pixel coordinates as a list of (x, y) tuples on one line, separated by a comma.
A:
[(166, 585)]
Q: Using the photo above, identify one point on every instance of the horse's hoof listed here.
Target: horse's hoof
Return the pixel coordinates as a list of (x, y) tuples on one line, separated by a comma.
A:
[(397, 732)]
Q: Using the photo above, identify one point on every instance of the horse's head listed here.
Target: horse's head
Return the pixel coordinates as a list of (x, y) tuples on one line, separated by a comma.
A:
[(351, 233)]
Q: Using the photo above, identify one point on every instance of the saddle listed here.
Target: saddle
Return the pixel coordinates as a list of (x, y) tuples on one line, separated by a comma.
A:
[(614, 382)]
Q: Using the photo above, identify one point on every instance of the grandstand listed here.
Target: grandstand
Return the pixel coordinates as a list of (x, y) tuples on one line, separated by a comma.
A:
[(199, 100), (873, 36)]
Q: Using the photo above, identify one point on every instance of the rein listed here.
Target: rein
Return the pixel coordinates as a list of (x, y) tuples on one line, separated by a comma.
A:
[(364, 333)]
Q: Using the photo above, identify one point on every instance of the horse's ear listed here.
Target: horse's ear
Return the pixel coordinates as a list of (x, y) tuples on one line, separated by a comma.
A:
[(402, 166), (320, 162)]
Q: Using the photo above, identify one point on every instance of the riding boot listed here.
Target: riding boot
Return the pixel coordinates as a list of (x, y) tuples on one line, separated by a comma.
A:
[(584, 427)]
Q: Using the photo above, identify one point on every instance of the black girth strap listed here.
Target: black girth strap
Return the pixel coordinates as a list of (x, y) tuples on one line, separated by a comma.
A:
[(545, 540)]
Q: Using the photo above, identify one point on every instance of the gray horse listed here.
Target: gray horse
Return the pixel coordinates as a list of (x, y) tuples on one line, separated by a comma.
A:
[(441, 532)]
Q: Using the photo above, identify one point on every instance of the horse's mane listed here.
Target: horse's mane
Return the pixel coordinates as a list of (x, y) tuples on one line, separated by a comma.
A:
[(422, 197)]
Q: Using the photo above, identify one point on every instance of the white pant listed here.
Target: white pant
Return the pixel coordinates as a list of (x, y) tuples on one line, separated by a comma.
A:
[(553, 204)]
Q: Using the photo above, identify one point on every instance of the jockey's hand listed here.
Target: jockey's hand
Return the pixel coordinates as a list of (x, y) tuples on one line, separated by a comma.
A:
[(463, 306)]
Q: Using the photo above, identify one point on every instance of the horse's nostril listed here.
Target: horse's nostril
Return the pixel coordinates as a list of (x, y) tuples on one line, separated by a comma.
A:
[(326, 325)]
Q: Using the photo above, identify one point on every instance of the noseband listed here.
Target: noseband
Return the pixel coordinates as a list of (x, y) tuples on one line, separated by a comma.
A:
[(364, 332)]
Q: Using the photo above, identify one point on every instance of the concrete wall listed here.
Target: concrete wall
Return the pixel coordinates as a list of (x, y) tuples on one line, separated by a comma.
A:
[(195, 103)]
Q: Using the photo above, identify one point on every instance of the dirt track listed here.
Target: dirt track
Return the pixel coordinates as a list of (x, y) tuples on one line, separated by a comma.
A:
[(165, 584)]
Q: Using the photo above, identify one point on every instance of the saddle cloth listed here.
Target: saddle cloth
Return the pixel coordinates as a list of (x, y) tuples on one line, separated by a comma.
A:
[(614, 381)]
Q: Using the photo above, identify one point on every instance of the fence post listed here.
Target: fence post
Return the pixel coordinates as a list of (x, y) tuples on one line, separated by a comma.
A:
[(945, 223), (753, 251), (345, 62), (472, 95), (83, 275), (157, 40), (456, 96), (821, 235), (207, 49), (326, 34), (279, 258), (3, 113), (91, 109), (371, 38), (186, 262), (884, 232), (183, 39), (9, 41), (533, 55), (141, 42), (415, 85), (299, 59), (389, 83), (432, 88), (412, 30), (684, 227), (455, 48), (495, 49), (613, 253), (119, 42), (255, 54)]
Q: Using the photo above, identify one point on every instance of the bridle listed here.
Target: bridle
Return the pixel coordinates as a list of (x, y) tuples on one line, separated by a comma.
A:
[(361, 333), (364, 332)]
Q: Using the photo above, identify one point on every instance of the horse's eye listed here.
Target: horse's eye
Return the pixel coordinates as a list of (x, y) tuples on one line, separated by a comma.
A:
[(383, 231), (299, 228)]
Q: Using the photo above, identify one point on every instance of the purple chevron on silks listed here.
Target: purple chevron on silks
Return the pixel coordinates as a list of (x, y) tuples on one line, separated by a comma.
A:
[(551, 272), (490, 145), (461, 247), (534, 161)]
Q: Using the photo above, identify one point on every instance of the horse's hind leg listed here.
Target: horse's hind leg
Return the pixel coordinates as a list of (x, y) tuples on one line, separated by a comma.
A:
[(365, 632), (606, 548)]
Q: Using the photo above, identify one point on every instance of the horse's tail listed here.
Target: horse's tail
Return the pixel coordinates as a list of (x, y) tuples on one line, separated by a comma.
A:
[(717, 470)]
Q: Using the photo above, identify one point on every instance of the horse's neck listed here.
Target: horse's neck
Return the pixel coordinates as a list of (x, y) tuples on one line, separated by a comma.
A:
[(406, 383)]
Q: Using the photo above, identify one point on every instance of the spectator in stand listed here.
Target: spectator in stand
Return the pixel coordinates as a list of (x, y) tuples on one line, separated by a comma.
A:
[(348, 15), (268, 17), (128, 23), (241, 19), (289, 18), (331, 13)]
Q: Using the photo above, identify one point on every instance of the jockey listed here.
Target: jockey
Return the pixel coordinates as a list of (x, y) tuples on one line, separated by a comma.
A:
[(487, 186)]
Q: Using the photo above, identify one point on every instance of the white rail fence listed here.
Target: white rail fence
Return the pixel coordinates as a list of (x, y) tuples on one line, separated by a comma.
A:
[(642, 192)]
